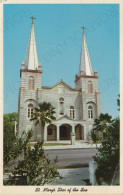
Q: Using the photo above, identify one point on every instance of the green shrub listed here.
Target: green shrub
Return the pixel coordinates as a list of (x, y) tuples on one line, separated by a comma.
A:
[(34, 169)]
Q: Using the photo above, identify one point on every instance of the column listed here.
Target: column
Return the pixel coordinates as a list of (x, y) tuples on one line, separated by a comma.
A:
[(73, 128), (92, 169), (84, 132), (73, 135), (45, 133), (58, 129)]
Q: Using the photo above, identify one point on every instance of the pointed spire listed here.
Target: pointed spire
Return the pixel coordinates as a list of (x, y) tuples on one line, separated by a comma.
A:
[(85, 63), (31, 59)]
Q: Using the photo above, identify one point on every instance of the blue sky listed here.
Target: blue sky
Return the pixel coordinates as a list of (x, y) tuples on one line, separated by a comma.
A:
[(58, 38)]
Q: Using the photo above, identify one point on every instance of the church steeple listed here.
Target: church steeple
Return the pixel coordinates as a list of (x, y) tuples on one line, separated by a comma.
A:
[(85, 63), (31, 59)]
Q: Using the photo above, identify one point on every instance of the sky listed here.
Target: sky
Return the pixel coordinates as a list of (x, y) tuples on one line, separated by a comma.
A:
[(58, 38)]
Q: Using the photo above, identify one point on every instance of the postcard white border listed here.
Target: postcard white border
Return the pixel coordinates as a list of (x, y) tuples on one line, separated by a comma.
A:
[(15, 190)]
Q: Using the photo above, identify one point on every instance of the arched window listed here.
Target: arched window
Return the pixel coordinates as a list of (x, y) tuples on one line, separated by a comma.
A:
[(31, 83), (30, 111), (90, 87), (61, 106), (90, 112), (72, 112)]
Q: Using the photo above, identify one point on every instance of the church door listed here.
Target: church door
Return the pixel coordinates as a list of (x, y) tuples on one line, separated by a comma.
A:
[(64, 133)]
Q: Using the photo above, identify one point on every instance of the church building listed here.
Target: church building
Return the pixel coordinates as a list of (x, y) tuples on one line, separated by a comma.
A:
[(76, 108)]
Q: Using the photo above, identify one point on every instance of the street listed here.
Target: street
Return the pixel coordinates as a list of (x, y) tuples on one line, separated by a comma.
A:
[(71, 158)]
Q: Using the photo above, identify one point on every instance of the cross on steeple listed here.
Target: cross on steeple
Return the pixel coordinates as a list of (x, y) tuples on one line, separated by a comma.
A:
[(32, 19), (83, 28)]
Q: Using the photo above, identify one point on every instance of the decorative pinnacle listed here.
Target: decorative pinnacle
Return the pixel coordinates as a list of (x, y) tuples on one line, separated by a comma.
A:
[(32, 19), (83, 28)]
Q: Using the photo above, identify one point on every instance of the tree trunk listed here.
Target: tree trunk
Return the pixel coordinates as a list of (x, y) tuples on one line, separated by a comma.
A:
[(42, 133)]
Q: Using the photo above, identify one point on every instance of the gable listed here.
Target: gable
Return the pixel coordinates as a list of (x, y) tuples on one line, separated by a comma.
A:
[(64, 119), (61, 87)]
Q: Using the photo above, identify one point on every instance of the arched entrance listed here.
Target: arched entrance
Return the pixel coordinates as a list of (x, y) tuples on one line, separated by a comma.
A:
[(79, 132), (65, 131), (51, 132)]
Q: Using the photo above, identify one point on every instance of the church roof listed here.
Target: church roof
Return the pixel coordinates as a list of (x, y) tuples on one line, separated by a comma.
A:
[(85, 63), (60, 82), (31, 59)]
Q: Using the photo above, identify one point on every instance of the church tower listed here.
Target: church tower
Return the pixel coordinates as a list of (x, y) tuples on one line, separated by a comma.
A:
[(87, 81), (30, 92)]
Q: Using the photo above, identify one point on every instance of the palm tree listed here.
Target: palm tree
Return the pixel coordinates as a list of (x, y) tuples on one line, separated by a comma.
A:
[(42, 115), (101, 125)]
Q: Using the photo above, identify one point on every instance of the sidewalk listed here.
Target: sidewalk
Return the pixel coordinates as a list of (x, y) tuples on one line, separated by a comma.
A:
[(72, 177), (78, 145)]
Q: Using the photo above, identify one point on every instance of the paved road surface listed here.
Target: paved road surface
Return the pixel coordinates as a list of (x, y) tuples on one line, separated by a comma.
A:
[(71, 158)]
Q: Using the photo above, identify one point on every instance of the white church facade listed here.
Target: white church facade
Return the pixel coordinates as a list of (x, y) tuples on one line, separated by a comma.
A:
[(76, 108)]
